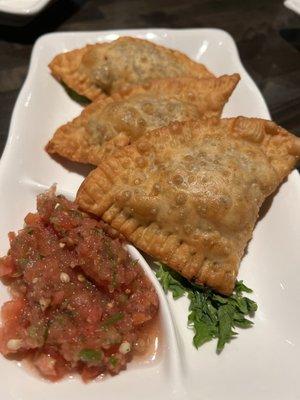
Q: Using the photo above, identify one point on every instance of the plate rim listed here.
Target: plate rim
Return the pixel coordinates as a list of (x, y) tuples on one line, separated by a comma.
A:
[(24, 11)]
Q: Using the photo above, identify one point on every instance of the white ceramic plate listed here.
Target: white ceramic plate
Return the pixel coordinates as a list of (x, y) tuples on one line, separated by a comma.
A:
[(293, 5), (22, 7), (263, 363)]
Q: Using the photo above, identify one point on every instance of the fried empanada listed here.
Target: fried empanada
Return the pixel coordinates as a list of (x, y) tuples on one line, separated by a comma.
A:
[(120, 119), (189, 194), (116, 66)]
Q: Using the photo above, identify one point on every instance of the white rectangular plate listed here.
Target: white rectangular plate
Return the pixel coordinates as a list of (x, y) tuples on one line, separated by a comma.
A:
[(22, 7), (263, 363)]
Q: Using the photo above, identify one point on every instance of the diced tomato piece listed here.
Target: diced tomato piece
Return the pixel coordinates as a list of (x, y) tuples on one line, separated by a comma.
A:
[(32, 219), (11, 310), (58, 297), (11, 236), (88, 373), (51, 366), (7, 266)]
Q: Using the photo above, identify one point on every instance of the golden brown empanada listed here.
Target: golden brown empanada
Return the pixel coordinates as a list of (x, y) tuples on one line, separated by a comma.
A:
[(118, 120), (116, 66), (189, 194)]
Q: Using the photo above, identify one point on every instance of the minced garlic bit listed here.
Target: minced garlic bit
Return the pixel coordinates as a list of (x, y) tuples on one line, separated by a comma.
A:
[(125, 348), (44, 303), (64, 278), (34, 280), (14, 344), (81, 278), (62, 245)]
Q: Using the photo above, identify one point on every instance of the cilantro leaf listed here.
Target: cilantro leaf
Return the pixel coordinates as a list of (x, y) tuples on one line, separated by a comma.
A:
[(225, 332), (211, 315), (252, 306), (203, 333), (241, 287), (169, 283)]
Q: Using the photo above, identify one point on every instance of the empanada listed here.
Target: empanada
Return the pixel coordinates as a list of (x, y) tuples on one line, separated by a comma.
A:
[(189, 194), (116, 66), (120, 119)]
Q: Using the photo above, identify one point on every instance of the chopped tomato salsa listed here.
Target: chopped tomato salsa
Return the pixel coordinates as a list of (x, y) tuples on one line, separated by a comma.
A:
[(79, 302)]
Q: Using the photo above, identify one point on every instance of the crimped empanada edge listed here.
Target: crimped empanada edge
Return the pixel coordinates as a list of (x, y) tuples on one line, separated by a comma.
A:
[(65, 68), (98, 187), (63, 141)]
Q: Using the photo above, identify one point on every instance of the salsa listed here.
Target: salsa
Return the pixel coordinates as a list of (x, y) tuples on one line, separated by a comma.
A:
[(79, 302)]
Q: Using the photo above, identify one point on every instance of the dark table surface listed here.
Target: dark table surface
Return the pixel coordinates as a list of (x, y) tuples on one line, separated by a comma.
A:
[(267, 35)]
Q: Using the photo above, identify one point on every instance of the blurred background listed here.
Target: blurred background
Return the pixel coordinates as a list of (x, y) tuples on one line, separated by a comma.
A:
[(266, 32)]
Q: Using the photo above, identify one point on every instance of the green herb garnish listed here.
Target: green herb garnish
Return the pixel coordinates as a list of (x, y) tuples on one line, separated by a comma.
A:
[(113, 260), (113, 361), (33, 331), (23, 261), (91, 356), (211, 315), (98, 231), (38, 333), (76, 213), (112, 319), (54, 220)]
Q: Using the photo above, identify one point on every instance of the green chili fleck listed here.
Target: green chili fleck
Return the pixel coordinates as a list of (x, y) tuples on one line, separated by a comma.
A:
[(112, 319), (91, 356)]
